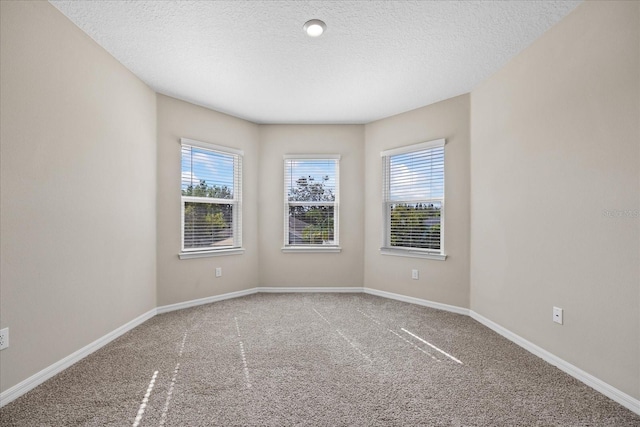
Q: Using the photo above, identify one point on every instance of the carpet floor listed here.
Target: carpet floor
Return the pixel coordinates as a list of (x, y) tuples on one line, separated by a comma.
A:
[(317, 360)]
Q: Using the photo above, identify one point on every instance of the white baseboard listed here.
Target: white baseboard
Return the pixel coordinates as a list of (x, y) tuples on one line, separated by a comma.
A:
[(418, 301), (608, 390), (35, 380), (319, 289), (207, 300)]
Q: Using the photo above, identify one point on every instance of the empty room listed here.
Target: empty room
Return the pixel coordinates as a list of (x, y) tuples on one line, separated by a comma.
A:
[(323, 213)]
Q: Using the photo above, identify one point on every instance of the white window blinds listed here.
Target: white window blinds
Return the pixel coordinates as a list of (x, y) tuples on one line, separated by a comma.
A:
[(311, 200), (413, 194), (211, 197)]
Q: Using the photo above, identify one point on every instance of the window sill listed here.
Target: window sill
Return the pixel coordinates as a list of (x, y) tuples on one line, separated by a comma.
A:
[(412, 253), (210, 253), (311, 249)]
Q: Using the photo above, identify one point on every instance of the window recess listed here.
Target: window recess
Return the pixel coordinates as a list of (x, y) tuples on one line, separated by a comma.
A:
[(211, 199), (414, 200), (311, 203)]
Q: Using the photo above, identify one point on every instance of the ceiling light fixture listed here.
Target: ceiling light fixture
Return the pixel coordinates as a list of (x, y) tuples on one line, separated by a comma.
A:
[(314, 27)]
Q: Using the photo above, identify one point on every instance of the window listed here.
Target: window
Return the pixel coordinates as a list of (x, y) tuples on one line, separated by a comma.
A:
[(211, 199), (311, 203), (413, 200)]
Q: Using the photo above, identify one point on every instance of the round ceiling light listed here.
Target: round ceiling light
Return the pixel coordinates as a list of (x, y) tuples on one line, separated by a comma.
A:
[(314, 27)]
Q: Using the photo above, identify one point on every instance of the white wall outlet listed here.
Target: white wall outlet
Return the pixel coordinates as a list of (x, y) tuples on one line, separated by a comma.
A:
[(557, 315), (414, 274), (218, 271), (4, 338)]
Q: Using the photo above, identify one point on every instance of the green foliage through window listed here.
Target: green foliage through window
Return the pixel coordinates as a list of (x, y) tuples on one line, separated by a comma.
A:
[(211, 197), (415, 225), (311, 195), (311, 225), (207, 225), (413, 196), (204, 190)]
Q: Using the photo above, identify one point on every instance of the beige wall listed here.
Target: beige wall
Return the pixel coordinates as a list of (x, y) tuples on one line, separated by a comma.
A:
[(441, 281), (555, 144), (188, 279), (307, 269), (78, 165)]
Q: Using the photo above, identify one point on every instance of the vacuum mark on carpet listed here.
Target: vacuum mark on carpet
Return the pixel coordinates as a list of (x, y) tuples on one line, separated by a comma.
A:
[(345, 337), (242, 354), (433, 346), (145, 399), (322, 317), (400, 336), (163, 417), (353, 345), (237, 327)]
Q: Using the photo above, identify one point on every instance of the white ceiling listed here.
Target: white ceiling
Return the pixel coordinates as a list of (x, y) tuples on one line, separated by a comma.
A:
[(251, 59)]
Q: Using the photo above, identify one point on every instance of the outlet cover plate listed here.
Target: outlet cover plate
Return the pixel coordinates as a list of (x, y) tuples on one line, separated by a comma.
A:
[(557, 315), (414, 274), (4, 338)]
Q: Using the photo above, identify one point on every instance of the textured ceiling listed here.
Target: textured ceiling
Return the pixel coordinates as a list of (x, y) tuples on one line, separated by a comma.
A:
[(251, 59)]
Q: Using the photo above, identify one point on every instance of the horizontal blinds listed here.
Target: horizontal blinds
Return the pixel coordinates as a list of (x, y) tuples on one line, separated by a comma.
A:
[(211, 174), (311, 198), (414, 198), (311, 225), (208, 225), (415, 225), (311, 180), (211, 196), (415, 176)]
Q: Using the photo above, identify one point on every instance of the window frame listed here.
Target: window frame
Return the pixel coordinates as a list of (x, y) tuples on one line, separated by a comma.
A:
[(405, 251), (236, 202), (314, 248)]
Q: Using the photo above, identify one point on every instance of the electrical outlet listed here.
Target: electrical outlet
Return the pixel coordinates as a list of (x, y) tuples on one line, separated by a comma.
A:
[(4, 338), (557, 315), (218, 271), (414, 274)]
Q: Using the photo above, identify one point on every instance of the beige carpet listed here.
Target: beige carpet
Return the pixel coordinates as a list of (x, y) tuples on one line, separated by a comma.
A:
[(313, 359)]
